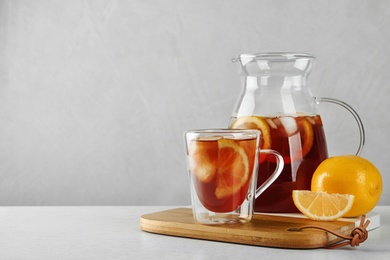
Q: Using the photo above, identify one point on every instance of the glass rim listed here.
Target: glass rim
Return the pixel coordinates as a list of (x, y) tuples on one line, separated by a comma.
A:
[(222, 130), (275, 56), (213, 134), (223, 133)]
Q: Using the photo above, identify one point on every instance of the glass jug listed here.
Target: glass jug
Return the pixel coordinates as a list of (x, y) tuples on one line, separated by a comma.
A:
[(276, 100)]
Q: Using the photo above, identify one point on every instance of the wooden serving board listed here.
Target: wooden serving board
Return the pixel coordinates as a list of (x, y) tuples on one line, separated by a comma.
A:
[(263, 230)]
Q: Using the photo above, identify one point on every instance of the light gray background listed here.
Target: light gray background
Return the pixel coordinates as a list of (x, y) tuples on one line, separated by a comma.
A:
[(95, 95)]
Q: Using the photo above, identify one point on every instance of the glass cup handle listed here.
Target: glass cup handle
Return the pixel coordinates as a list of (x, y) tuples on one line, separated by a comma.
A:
[(274, 175), (355, 115)]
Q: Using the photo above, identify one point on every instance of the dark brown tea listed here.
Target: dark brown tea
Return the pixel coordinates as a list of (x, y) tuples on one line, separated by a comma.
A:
[(300, 139), (222, 171)]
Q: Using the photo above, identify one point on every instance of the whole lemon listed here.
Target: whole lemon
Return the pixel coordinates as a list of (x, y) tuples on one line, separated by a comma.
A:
[(350, 174)]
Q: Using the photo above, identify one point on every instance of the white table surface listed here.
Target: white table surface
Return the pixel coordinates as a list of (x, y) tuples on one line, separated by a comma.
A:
[(114, 233)]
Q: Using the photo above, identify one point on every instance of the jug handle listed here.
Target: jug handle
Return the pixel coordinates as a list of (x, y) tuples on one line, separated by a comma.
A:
[(353, 112)]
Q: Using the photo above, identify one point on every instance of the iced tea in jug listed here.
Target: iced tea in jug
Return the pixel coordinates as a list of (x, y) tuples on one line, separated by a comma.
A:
[(276, 100)]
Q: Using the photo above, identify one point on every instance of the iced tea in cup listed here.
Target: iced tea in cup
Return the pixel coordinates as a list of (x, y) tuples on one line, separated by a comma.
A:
[(222, 165)]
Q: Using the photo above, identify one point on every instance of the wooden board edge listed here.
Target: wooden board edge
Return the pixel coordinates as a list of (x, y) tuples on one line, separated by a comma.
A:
[(212, 233)]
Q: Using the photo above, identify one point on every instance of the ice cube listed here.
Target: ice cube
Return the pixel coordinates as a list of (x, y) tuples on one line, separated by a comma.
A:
[(289, 124)]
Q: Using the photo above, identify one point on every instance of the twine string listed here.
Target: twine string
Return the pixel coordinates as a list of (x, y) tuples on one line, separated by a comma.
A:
[(358, 235)]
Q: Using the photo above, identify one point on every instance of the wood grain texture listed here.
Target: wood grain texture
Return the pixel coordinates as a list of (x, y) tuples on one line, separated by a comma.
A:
[(263, 230)]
